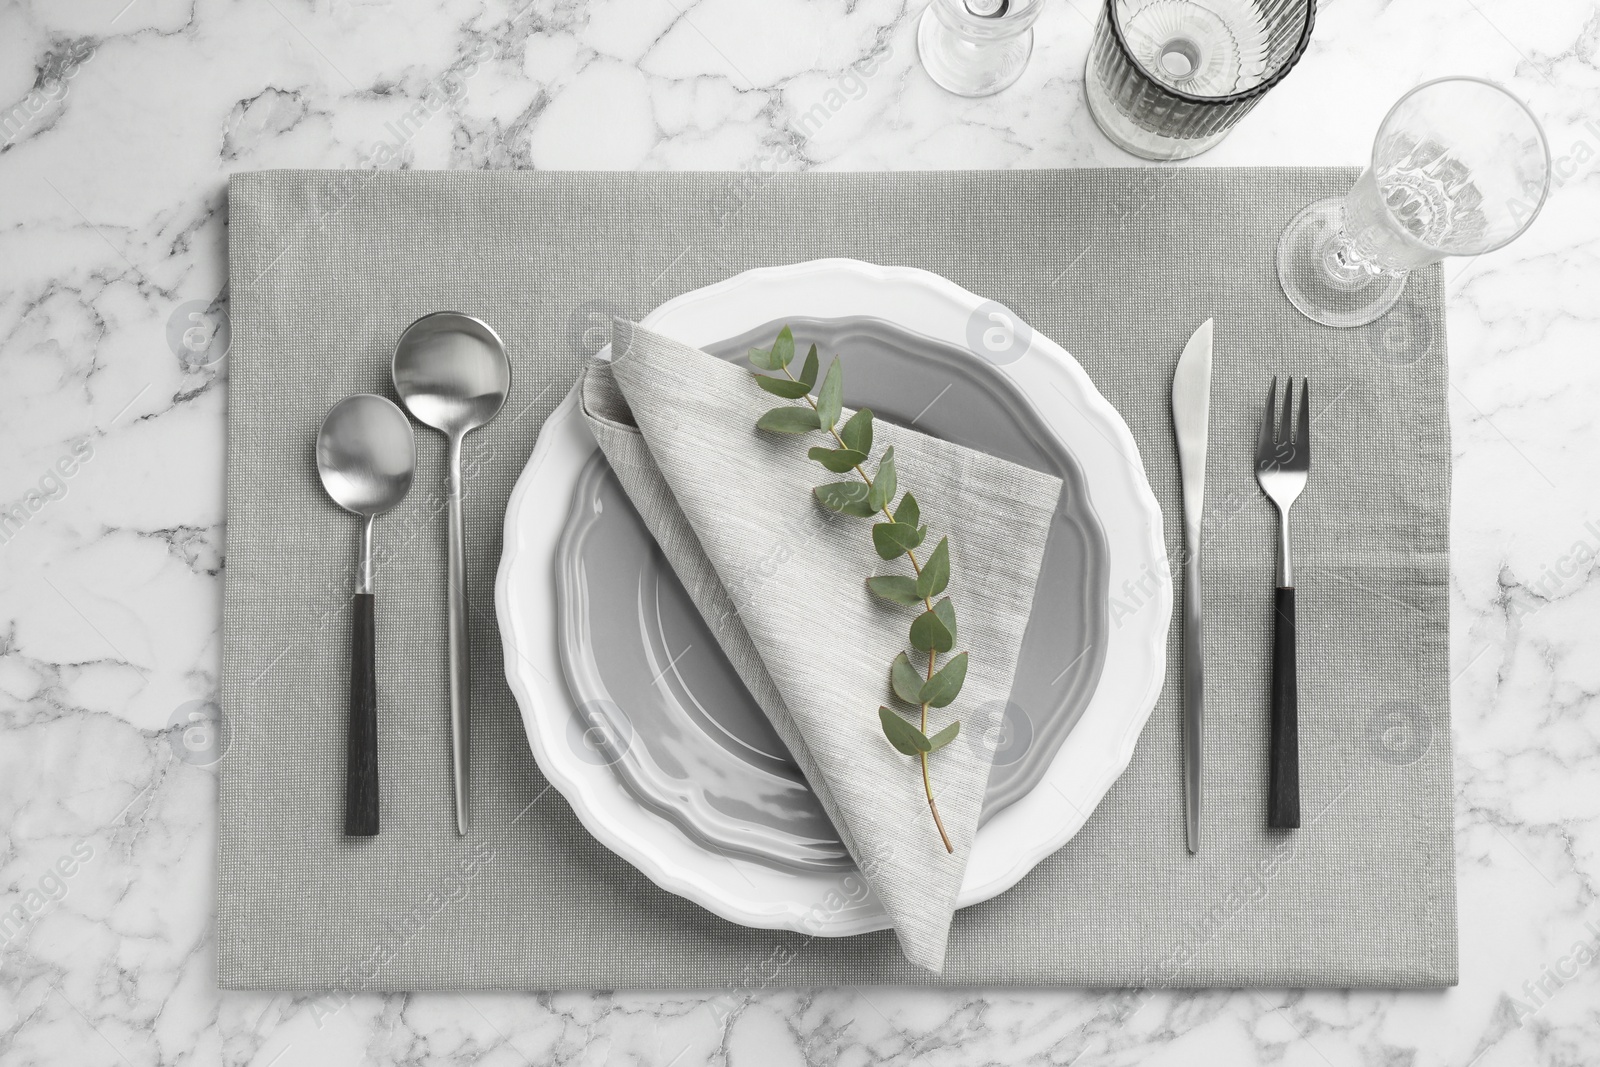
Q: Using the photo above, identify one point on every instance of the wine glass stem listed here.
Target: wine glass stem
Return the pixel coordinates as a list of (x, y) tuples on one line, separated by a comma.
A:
[(1348, 267), (1343, 263)]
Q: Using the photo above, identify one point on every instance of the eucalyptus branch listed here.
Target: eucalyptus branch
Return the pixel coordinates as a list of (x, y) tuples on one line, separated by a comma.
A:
[(900, 533)]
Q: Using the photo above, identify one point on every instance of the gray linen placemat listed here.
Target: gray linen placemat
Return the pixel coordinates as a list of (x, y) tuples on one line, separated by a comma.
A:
[(1118, 266)]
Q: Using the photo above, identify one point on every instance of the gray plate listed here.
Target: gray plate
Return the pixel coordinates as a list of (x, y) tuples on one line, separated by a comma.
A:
[(665, 708)]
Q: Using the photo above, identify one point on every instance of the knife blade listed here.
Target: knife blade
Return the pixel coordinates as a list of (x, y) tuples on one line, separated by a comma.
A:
[(1191, 415)]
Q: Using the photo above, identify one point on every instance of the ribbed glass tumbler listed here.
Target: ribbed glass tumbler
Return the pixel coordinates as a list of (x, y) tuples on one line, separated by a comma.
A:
[(1167, 79)]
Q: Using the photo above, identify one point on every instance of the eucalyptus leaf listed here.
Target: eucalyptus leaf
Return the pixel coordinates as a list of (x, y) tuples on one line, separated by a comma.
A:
[(902, 735), (944, 737), (941, 689), (782, 386), (906, 679), (935, 574), (857, 431), (947, 615), (830, 398), (930, 634), (762, 357), (783, 348), (846, 498), (908, 512), (838, 460), (893, 539), (808, 372), (791, 418), (883, 483), (894, 587)]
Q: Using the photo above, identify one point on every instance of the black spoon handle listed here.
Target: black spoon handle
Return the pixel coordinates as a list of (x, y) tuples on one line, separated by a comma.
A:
[(361, 771)]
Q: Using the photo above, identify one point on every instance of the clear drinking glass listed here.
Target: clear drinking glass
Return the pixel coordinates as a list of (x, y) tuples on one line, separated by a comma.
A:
[(977, 47), (1167, 79), (1459, 167)]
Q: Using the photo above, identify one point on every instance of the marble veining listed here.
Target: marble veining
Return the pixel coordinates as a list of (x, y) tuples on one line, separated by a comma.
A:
[(119, 121)]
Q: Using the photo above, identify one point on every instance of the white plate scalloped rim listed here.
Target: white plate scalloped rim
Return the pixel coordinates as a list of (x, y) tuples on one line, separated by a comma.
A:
[(1095, 752)]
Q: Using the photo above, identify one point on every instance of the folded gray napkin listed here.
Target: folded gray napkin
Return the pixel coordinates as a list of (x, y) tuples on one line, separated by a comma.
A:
[(781, 582)]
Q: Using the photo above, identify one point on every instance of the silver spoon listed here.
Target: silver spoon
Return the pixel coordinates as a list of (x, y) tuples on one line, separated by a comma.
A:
[(452, 373), (366, 456)]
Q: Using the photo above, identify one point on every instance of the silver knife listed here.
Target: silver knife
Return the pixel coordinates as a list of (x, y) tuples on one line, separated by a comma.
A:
[(1191, 411)]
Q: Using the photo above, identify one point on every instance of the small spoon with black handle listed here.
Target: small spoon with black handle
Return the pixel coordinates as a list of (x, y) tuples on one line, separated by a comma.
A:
[(366, 455)]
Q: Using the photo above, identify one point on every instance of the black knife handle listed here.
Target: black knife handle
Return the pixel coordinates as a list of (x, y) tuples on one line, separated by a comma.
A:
[(1283, 787), (361, 770)]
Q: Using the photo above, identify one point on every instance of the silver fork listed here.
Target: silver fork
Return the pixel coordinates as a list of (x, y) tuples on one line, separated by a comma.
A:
[(1283, 464)]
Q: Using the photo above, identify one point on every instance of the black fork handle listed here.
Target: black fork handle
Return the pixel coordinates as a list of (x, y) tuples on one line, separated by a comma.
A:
[(1283, 785)]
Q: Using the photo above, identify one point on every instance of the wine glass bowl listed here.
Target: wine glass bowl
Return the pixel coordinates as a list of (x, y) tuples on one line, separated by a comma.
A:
[(1459, 167), (1463, 166)]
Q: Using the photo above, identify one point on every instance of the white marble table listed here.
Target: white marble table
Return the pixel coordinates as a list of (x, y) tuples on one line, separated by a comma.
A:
[(122, 119)]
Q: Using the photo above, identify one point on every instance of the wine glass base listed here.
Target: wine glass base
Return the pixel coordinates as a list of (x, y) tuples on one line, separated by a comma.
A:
[(1320, 294), (969, 68)]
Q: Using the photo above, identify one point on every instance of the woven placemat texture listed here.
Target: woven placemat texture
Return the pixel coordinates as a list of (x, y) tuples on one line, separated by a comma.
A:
[(1119, 266)]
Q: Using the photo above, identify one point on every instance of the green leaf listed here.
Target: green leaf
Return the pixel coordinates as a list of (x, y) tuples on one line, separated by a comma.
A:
[(838, 460), (808, 373), (791, 418), (944, 737), (935, 574), (783, 348), (947, 615), (830, 398), (782, 386), (930, 634), (908, 512), (762, 357), (857, 431), (893, 539), (846, 498), (941, 689), (883, 483), (906, 680), (894, 587), (902, 735)]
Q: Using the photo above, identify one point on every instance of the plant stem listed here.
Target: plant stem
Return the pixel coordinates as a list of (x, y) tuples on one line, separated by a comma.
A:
[(927, 787), (933, 656)]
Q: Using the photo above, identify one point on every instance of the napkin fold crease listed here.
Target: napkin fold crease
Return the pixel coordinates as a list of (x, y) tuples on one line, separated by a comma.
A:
[(781, 582)]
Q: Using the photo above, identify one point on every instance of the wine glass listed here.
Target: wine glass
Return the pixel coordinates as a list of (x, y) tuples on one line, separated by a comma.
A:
[(976, 47), (1459, 167)]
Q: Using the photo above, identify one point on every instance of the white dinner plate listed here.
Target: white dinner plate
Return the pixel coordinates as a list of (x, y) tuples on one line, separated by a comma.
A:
[(1095, 752)]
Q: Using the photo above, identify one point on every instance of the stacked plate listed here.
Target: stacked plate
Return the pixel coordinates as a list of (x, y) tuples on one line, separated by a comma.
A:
[(635, 715)]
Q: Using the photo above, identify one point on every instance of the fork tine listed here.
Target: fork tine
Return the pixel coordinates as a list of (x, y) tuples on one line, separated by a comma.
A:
[(1302, 431), (1264, 437), (1286, 426)]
